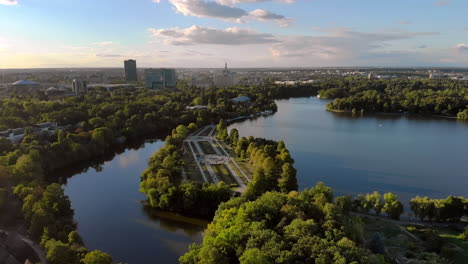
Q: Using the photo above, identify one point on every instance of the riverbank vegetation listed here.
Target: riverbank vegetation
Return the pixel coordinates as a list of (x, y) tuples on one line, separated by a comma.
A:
[(313, 226), (283, 228), (88, 127), (423, 96)]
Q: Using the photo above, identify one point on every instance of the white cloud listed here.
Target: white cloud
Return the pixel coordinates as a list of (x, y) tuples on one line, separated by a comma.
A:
[(8, 2), (340, 44), (265, 15), (201, 8), (204, 35), (235, 2), (226, 10), (462, 47), (441, 3)]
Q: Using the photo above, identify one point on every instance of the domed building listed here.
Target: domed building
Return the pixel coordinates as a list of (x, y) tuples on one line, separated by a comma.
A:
[(25, 86)]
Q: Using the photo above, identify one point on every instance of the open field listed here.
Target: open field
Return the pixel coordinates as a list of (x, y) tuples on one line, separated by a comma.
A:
[(206, 147), (206, 173), (194, 148), (224, 175), (453, 247), (193, 173), (414, 240), (205, 132)]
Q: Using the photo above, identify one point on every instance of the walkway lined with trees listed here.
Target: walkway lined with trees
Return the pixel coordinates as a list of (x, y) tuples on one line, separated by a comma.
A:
[(221, 157)]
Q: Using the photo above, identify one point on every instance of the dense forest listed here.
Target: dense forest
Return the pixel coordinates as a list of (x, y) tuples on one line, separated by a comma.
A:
[(313, 226), (423, 96), (305, 227)]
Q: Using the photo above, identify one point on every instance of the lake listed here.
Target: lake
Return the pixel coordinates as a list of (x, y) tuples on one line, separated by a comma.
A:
[(406, 155), (111, 218)]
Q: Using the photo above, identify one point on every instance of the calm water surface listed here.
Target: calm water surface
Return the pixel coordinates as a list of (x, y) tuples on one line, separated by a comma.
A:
[(111, 218), (407, 155)]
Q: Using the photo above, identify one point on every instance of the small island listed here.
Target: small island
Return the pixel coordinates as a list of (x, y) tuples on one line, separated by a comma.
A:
[(198, 169)]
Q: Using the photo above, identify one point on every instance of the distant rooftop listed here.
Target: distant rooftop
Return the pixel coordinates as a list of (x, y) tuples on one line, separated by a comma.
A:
[(25, 82), (241, 99)]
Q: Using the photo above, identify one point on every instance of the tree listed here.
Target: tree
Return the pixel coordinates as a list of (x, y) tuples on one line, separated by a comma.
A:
[(392, 206), (373, 201), (345, 203), (464, 235), (97, 257), (3, 198), (376, 244), (3, 173), (27, 169), (74, 238), (5, 145), (254, 256), (58, 252), (288, 180)]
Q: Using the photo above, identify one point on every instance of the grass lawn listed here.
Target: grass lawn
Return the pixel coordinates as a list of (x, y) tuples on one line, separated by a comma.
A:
[(460, 252), (219, 148), (205, 132), (191, 168), (245, 166), (194, 148), (206, 173), (206, 147), (223, 174), (238, 172)]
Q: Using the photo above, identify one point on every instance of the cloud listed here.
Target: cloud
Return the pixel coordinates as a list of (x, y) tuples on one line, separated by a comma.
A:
[(462, 47), (225, 9), (341, 44), (203, 35), (466, 29), (109, 55), (8, 2), (201, 8), (265, 15), (441, 3), (103, 43), (235, 2), (404, 22)]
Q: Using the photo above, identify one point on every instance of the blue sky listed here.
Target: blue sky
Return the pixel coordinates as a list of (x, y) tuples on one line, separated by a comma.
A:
[(246, 33)]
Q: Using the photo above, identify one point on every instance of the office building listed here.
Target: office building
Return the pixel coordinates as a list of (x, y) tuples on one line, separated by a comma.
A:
[(160, 78), (130, 70), (225, 79), (79, 87)]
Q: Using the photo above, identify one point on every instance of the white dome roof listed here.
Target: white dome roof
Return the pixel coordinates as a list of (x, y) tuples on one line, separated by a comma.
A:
[(25, 82)]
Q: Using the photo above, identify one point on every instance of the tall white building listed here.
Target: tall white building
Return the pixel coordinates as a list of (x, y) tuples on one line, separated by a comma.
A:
[(225, 79), (79, 87)]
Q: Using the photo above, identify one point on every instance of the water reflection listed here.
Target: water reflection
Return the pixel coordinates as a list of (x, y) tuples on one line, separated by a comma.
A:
[(105, 196), (406, 154)]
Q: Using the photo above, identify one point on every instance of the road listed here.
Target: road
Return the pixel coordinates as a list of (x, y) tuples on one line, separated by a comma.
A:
[(37, 249)]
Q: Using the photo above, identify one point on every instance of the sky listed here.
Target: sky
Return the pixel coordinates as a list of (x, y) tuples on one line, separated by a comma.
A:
[(243, 33)]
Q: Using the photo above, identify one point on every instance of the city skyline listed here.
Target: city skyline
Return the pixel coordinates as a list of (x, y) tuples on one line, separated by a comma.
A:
[(246, 33)]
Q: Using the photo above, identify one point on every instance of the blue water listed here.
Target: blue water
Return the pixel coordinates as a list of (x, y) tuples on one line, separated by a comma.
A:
[(407, 155), (402, 154), (111, 218)]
